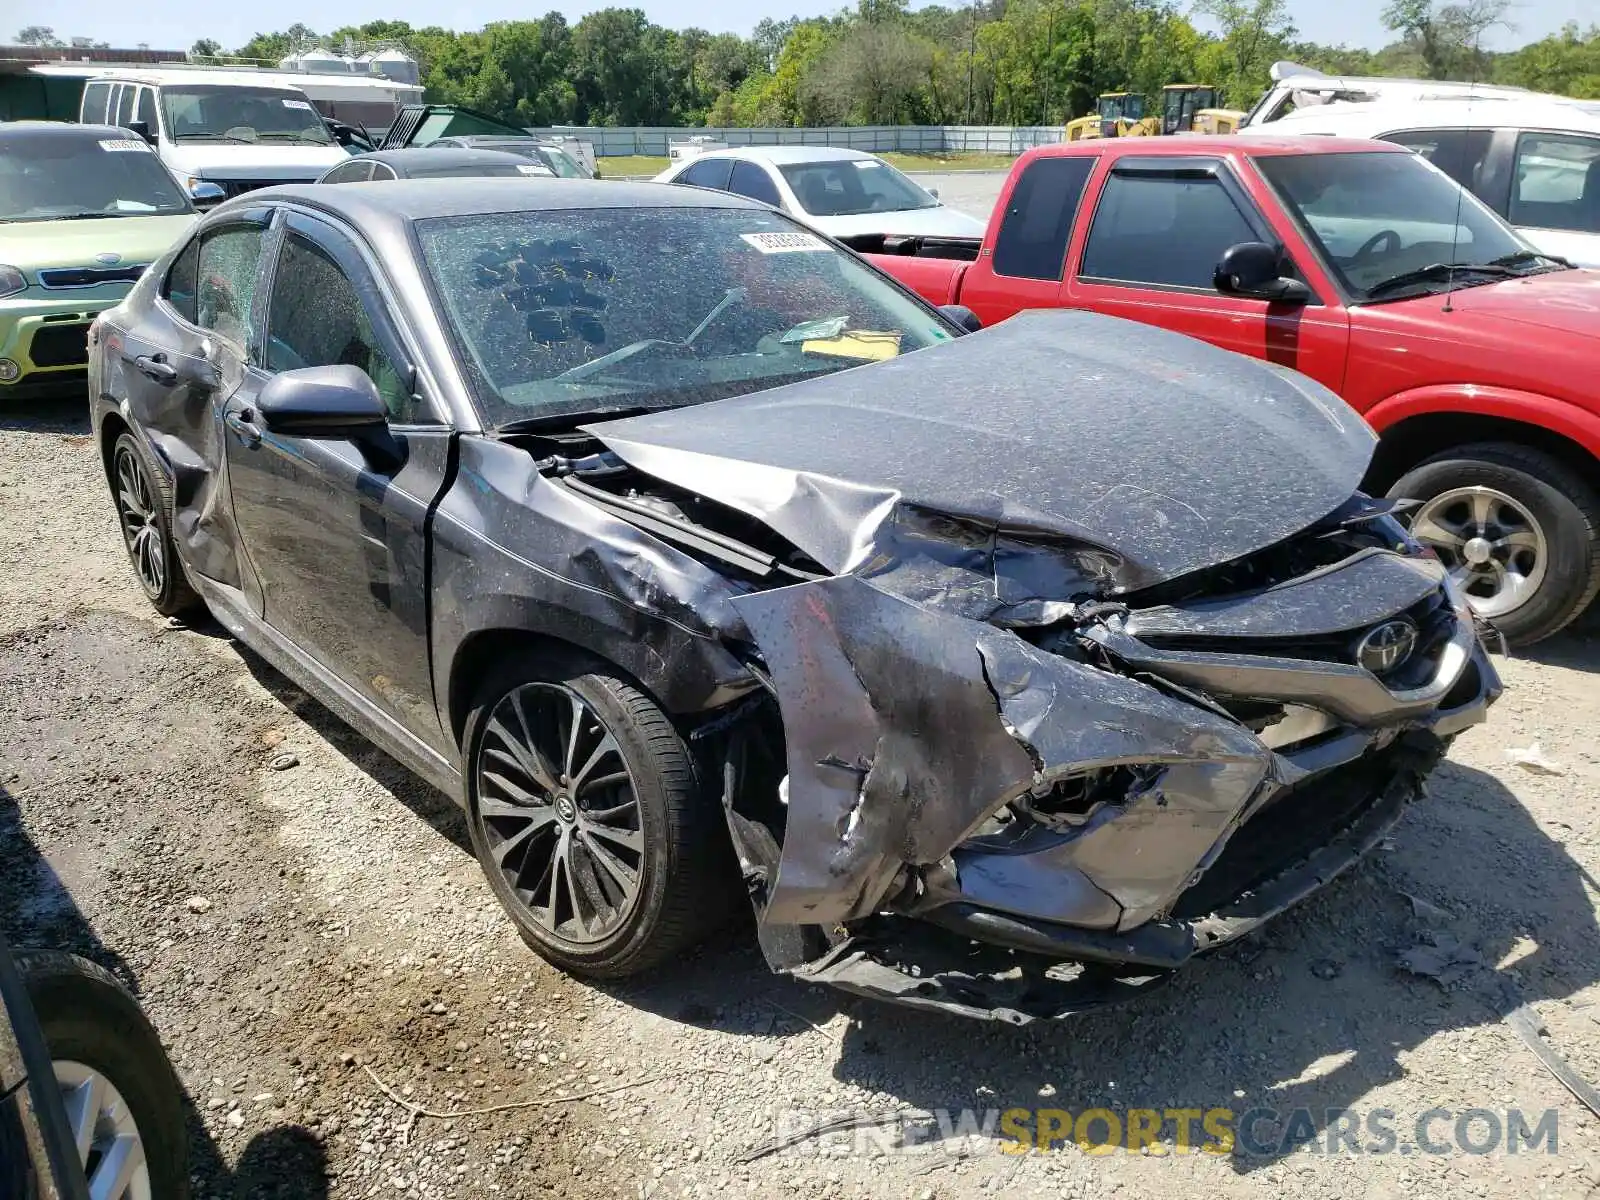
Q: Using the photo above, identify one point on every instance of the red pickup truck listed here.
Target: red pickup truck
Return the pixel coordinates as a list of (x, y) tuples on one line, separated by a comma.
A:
[(1476, 359)]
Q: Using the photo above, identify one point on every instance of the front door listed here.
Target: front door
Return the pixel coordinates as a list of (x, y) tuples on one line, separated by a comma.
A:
[(1159, 227), (335, 528)]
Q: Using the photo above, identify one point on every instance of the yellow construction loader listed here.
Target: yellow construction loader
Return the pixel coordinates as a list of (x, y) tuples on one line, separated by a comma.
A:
[(1185, 108), (1196, 108), (1117, 114)]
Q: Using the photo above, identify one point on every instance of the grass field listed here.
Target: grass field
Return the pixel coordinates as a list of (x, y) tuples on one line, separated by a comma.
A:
[(632, 164), (951, 162), (652, 164)]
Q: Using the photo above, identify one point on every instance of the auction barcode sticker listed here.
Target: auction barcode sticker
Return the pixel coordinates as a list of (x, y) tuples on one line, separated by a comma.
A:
[(123, 145), (785, 243)]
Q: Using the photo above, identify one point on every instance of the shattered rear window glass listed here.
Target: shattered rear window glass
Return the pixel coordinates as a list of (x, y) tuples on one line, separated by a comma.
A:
[(570, 311)]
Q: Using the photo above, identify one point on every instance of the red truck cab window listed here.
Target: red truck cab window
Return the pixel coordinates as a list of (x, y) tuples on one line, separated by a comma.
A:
[(1030, 247)]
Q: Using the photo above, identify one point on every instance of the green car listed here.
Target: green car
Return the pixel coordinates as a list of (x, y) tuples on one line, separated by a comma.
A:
[(83, 210)]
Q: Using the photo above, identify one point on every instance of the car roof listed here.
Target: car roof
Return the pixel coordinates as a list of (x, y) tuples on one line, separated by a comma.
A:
[(16, 132), (395, 203), (778, 155), (1217, 145), (1481, 113), (1308, 79), (422, 157), (172, 77)]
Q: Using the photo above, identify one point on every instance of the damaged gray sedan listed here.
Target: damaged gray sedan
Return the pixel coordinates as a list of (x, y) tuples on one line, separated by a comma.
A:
[(1003, 672)]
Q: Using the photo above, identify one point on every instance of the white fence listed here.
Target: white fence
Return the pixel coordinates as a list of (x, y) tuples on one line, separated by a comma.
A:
[(913, 139)]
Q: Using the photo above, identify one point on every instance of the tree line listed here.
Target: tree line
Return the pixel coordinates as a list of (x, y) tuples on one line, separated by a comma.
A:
[(1009, 62)]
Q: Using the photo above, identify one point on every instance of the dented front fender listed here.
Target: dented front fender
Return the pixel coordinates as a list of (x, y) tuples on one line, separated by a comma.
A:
[(907, 728)]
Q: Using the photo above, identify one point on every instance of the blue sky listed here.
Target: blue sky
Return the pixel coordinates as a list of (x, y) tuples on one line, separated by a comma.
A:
[(177, 23)]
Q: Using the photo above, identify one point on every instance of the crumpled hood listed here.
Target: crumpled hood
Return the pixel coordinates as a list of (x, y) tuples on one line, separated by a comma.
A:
[(1141, 453)]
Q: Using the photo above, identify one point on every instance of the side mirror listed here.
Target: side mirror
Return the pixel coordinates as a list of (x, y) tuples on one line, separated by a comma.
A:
[(142, 128), (934, 192), (963, 316), (331, 402), (1257, 270), (206, 195)]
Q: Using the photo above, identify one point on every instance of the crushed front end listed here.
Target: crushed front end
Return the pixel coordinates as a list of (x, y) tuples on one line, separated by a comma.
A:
[(1026, 822), (1081, 654)]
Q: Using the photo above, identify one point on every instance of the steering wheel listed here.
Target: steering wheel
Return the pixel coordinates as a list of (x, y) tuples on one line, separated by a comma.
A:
[(1369, 248)]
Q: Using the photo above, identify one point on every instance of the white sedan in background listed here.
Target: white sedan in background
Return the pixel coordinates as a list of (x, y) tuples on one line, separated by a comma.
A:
[(842, 193)]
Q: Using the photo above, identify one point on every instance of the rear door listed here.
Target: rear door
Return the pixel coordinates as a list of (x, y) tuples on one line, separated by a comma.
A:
[(335, 528), (1158, 228)]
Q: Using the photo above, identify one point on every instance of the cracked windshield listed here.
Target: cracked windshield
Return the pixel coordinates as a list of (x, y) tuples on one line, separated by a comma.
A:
[(550, 317)]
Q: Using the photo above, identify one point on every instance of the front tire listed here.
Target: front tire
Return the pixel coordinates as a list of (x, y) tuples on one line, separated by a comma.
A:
[(1519, 530), (124, 1104), (144, 512), (588, 819)]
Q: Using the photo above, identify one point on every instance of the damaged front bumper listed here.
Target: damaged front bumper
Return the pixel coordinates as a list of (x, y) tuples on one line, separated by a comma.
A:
[(1025, 824)]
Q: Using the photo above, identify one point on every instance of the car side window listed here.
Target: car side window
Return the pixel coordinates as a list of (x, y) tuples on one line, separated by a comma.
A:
[(145, 108), (1033, 237), (750, 180), (707, 173), (125, 101), (1459, 153), (1163, 229), (96, 97), (380, 171), (316, 319), (354, 172), (1555, 183), (179, 286), (225, 286)]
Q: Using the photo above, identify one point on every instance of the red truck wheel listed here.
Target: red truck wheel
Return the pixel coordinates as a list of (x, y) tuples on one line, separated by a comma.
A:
[(1519, 529)]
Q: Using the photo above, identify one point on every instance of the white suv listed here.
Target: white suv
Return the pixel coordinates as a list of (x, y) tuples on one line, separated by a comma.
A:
[(1535, 161)]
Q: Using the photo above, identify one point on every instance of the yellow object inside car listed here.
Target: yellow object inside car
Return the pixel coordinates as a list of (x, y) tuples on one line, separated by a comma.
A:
[(863, 344)]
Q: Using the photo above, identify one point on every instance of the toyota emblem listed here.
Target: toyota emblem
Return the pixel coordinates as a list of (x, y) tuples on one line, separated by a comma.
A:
[(108, 259), (1384, 647)]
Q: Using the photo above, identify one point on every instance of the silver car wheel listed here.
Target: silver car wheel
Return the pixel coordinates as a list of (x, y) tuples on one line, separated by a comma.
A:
[(137, 510), (109, 1144), (559, 812), (1494, 547)]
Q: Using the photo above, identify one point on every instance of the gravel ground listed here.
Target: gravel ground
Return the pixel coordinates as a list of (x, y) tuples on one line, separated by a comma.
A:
[(289, 929), (973, 192)]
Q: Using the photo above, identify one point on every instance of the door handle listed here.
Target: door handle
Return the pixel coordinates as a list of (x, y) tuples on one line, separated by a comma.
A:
[(156, 366), (242, 422)]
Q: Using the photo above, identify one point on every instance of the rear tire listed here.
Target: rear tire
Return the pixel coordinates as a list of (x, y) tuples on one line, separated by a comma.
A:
[(559, 852), (143, 498), (95, 1030), (1535, 518)]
